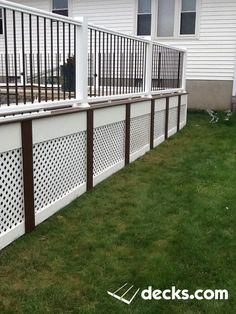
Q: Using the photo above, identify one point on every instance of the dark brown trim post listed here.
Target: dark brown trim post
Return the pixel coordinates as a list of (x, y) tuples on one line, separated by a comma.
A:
[(127, 135), (90, 124), (167, 118), (152, 123), (178, 113), (28, 174)]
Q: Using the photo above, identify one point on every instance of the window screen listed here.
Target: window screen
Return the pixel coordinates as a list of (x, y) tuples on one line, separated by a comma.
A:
[(144, 17), (188, 17), (60, 7)]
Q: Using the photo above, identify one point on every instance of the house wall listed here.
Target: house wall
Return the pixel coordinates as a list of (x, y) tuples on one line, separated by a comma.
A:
[(211, 54)]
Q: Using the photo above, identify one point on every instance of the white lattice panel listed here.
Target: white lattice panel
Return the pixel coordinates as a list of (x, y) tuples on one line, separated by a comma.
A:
[(109, 146), (182, 113), (139, 132), (159, 124), (173, 118), (59, 167), (11, 190)]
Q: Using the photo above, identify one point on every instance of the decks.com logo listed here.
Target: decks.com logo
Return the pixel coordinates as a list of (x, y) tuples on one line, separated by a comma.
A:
[(178, 294), (127, 294)]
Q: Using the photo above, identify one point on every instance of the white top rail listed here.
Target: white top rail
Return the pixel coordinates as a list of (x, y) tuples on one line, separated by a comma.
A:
[(107, 30), (37, 12), (138, 38), (169, 46)]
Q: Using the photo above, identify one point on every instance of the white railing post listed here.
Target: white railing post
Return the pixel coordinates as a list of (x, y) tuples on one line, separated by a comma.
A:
[(81, 63), (148, 73), (183, 83)]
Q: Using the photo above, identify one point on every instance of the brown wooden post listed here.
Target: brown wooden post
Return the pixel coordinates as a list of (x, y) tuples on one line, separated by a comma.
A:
[(28, 174), (167, 118), (90, 124), (178, 113), (152, 123), (127, 135)]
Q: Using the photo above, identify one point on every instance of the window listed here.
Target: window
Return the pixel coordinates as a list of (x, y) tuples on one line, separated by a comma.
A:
[(188, 17), (144, 17), (166, 18), (169, 18), (1, 22), (60, 7)]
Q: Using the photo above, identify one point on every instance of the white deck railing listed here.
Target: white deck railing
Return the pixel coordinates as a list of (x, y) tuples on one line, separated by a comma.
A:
[(95, 63)]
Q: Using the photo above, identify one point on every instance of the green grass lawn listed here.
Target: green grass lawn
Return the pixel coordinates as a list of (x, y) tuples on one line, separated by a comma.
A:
[(168, 219)]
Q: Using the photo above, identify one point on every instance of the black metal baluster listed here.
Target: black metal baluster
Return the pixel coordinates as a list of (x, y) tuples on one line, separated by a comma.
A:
[(23, 55), (179, 62), (69, 59), (107, 66), (64, 61), (31, 59), (45, 58), (15, 55), (156, 68), (38, 61), (99, 63), (144, 65), (127, 54), (135, 66), (138, 67), (75, 43), (103, 62), (114, 66), (110, 63), (121, 64), (159, 70), (6, 55), (52, 78), (168, 68), (58, 63), (117, 67), (95, 63), (132, 67), (90, 61), (129, 60)]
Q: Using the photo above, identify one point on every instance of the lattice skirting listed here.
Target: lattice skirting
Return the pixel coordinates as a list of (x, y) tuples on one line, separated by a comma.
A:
[(59, 161)]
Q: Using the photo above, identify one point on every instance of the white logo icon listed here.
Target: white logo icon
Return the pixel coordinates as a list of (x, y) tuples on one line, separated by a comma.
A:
[(122, 293)]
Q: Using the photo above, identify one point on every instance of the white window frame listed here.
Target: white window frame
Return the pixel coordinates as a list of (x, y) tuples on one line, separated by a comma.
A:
[(196, 21), (177, 21)]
